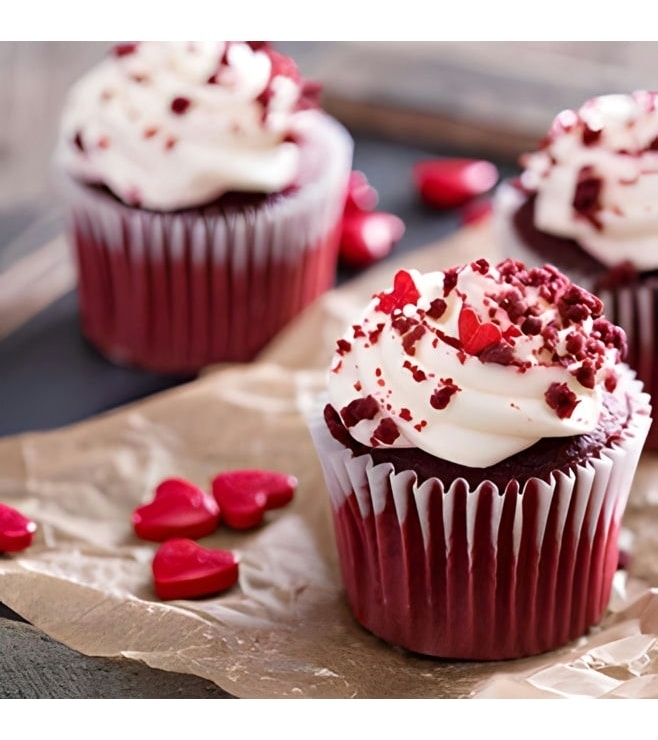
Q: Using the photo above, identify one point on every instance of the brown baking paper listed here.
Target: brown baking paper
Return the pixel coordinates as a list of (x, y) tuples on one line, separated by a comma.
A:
[(285, 630)]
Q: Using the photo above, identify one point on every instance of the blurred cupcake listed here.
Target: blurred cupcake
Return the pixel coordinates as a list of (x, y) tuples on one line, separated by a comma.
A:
[(479, 443), (587, 201), (205, 190)]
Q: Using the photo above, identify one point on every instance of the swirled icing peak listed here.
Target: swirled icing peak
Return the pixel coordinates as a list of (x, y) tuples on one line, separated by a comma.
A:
[(171, 125), (595, 176), (475, 363)]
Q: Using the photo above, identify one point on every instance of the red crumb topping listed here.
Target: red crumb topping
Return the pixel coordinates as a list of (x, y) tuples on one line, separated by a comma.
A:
[(123, 50), (590, 136), (343, 346), (385, 433), (561, 399), (440, 398), (411, 338), (180, 105), (587, 198), (77, 141), (449, 280), (417, 374), (359, 409), (437, 308)]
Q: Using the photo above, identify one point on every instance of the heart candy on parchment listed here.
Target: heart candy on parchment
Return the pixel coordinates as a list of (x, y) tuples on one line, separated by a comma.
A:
[(16, 530), (245, 495), (184, 569), (178, 509)]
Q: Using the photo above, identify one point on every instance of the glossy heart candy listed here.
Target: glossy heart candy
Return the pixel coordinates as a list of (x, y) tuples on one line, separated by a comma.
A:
[(183, 569), (178, 509), (449, 183), (361, 196), (475, 335), (245, 495), (368, 236), (16, 530)]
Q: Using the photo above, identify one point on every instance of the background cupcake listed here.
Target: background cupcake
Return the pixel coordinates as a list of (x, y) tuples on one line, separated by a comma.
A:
[(587, 201), (205, 190), (478, 444)]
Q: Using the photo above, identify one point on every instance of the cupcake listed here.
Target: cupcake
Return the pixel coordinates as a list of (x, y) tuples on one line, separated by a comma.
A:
[(478, 440), (205, 189), (587, 201)]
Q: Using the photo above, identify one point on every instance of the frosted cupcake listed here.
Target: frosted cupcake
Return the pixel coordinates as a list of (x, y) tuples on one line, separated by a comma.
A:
[(205, 191), (587, 201), (479, 443)]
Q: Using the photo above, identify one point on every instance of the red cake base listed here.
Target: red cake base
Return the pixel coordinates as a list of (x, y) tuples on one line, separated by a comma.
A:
[(481, 570), (175, 292)]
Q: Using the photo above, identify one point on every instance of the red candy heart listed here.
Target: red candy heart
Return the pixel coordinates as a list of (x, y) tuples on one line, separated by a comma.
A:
[(178, 509), (361, 196), (475, 335), (244, 495), (448, 183), (16, 530), (183, 569), (368, 236)]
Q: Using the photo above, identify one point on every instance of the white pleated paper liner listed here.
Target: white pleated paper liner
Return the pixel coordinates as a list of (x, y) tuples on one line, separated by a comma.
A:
[(174, 292), (634, 307), (481, 574)]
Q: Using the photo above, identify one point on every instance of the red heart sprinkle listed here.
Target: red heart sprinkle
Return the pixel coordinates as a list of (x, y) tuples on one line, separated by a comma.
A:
[(183, 569), (178, 509), (475, 335), (361, 196), (368, 236), (449, 183), (244, 495), (16, 530)]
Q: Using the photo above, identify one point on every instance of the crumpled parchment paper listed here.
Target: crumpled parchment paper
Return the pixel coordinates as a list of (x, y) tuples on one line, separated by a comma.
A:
[(285, 630)]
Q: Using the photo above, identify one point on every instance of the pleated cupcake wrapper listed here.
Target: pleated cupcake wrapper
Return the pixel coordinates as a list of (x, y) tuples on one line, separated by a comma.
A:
[(633, 307), (173, 292), (454, 572)]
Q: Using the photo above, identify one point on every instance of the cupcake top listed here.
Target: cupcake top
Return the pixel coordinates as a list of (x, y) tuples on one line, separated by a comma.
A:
[(475, 363), (595, 176), (171, 125)]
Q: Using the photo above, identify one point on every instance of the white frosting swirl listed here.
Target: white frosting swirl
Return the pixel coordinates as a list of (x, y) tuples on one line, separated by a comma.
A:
[(611, 145), (148, 123), (416, 370)]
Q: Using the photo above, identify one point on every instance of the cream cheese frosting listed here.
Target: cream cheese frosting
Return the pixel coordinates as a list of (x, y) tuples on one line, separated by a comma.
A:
[(475, 363), (171, 125), (595, 176)]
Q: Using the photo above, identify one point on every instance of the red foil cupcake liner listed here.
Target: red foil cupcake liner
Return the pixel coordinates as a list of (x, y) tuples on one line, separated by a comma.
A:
[(477, 573), (174, 292), (634, 307)]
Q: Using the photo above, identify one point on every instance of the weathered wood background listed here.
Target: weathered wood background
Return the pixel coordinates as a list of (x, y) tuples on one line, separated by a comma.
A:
[(486, 96)]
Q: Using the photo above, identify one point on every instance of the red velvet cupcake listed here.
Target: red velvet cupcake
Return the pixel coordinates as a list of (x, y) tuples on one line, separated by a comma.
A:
[(205, 191), (479, 441), (587, 201)]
